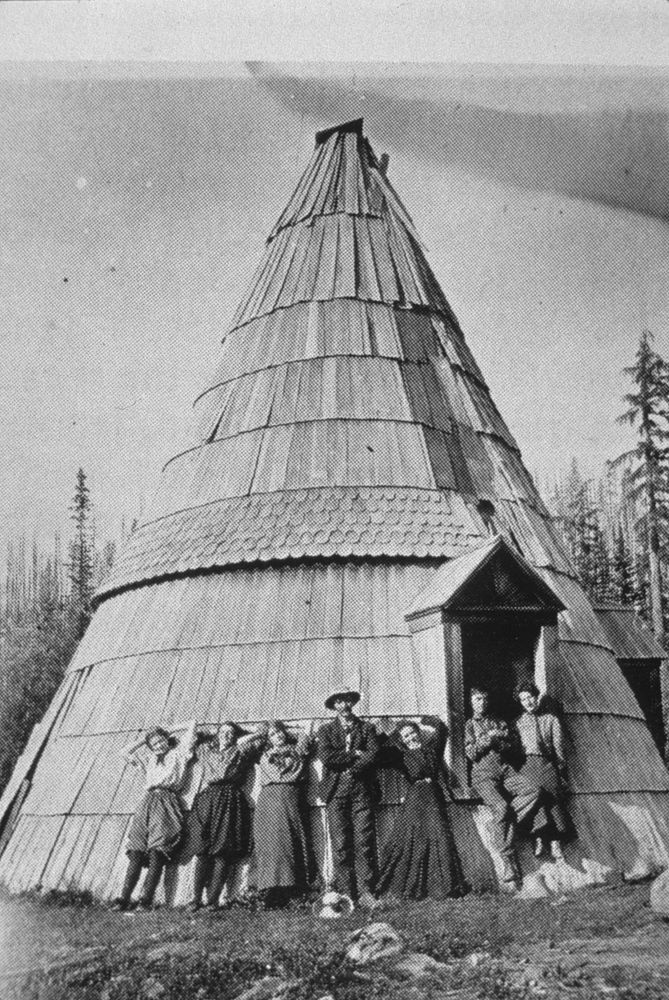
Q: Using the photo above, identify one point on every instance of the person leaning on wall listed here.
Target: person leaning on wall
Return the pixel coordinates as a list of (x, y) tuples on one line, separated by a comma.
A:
[(489, 746), (158, 825), (540, 784), (348, 748)]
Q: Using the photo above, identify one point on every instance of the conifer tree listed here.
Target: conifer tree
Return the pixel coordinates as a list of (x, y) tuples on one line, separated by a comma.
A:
[(623, 584), (582, 529), (35, 645), (82, 557), (44, 607), (648, 480)]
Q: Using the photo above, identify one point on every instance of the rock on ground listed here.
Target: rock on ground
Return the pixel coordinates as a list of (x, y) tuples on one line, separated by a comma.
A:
[(172, 949), (372, 943), (659, 895), (416, 964), (267, 988)]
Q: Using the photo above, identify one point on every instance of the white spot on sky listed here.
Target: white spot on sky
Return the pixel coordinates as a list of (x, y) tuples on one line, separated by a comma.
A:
[(149, 183), (81, 183)]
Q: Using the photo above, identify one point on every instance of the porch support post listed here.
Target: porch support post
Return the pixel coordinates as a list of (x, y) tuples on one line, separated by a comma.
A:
[(437, 653), (546, 659), (455, 701)]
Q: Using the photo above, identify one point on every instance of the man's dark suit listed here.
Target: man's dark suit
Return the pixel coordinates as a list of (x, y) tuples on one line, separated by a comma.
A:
[(349, 789)]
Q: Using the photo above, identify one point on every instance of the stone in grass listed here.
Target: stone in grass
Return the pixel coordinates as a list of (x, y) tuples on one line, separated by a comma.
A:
[(172, 949), (417, 965), (267, 988), (117, 986), (477, 958), (372, 943), (643, 870), (659, 895), (152, 989), (534, 887)]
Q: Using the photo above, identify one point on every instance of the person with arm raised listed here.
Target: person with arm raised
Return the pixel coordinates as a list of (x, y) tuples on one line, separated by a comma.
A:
[(420, 859), (157, 827), (219, 824)]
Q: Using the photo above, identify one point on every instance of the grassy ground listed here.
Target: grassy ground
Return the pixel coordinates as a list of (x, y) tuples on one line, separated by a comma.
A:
[(605, 942)]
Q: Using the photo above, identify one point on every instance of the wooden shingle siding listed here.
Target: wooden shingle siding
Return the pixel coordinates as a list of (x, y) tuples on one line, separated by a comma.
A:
[(604, 763), (365, 599), (338, 460), (587, 682), (300, 524), (326, 329)]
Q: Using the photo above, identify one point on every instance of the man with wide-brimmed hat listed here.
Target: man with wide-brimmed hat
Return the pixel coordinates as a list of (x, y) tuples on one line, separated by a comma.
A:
[(348, 748)]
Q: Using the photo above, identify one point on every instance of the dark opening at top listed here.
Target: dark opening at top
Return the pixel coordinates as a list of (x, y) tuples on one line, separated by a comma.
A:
[(352, 126)]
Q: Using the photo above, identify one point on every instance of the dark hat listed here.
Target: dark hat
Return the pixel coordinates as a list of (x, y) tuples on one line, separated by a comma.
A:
[(353, 696)]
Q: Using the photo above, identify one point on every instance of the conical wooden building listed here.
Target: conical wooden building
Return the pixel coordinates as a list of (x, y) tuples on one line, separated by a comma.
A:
[(352, 511)]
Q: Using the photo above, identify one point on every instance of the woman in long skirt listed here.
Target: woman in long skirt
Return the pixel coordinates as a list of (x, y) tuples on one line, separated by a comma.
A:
[(420, 859), (219, 827), (157, 828), (283, 854), (539, 786)]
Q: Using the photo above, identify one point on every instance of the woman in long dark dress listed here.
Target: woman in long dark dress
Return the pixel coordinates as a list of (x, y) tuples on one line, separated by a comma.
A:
[(219, 825), (420, 858), (283, 855)]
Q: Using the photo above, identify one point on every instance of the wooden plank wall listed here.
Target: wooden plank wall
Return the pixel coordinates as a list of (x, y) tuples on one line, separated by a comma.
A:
[(345, 369)]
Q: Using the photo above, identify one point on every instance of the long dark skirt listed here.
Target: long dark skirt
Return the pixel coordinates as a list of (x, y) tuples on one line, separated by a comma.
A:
[(158, 825), (219, 824), (537, 798), (283, 855), (420, 858)]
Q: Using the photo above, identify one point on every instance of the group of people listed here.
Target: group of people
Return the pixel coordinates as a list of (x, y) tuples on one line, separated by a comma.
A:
[(517, 769)]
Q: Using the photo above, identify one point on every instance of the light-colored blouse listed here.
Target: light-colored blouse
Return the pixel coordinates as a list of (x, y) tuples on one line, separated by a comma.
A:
[(169, 770), (541, 735)]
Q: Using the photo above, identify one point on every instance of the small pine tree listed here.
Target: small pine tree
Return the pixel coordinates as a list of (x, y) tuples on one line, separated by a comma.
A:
[(82, 557)]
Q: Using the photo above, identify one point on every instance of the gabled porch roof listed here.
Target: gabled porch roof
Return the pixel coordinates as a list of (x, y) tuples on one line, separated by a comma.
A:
[(455, 581)]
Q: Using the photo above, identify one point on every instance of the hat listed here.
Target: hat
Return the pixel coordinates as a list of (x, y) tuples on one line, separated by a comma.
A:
[(353, 696)]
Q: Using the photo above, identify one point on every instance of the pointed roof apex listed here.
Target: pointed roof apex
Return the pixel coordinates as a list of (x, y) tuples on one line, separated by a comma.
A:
[(353, 126), (450, 580)]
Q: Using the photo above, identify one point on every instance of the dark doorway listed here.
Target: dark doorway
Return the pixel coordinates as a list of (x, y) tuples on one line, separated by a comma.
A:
[(495, 657), (643, 676)]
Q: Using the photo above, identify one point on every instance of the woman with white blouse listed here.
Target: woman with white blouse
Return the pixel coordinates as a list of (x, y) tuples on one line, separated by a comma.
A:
[(157, 828)]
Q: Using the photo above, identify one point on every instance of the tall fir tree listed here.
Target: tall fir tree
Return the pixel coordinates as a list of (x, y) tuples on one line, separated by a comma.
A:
[(44, 609), (36, 643), (647, 482), (82, 557)]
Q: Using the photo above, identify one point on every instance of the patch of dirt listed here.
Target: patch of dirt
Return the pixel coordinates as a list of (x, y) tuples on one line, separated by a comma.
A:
[(620, 966)]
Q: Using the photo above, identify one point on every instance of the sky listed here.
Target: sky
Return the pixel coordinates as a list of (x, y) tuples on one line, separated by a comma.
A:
[(147, 150)]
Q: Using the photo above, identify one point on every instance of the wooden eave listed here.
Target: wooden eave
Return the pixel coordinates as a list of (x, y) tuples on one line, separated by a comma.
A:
[(630, 638)]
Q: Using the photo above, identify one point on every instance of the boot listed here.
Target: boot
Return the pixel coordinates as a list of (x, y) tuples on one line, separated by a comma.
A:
[(556, 851), (511, 870), (217, 879), (154, 872)]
